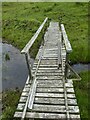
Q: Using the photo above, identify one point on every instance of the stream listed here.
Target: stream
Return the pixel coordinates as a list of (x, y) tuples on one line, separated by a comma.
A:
[(15, 72)]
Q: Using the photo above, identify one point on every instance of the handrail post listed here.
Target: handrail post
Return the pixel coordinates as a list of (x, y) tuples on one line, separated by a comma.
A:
[(66, 67), (28, 65), (59, 52), (68, 49)]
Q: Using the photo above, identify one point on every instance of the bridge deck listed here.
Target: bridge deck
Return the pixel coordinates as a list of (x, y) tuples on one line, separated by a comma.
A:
[(53, 98)]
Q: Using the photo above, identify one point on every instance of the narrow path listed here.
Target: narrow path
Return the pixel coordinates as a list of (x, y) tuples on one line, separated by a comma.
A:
[(52, 97)]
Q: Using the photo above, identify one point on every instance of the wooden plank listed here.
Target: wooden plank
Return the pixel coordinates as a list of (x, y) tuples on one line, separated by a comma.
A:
[(46, 66), (52, 82), (21, 106), (49, 77), (54, 108), (67, 43), (69, 85), (49, 108), (24, 94), (70, 90), (49, 58), (48, 71), (48, 74), (46, 62), (26, 89), (47, 84), (50, 95), (41, 115), (50, 55), (56, 95), (23, 99), (49, 101), (32, 95), (30, 43), (55, 90), (57, 101), (50, 90), (43, 68), (52, 116)]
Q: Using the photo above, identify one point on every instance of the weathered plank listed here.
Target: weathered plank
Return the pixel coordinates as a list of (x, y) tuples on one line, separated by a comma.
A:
[(23, 99), (57, 101), (47, 84), (41, 115), (53, 116), (50, 77), (55, 95), (55, 90), (48, 74), (54, 108)]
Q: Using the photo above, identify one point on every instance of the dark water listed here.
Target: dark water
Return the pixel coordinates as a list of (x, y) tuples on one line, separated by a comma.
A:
[(81, 67), (14, 71)]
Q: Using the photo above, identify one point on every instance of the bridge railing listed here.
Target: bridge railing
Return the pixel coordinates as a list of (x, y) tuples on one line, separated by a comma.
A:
[(68, 51), (26, 49)]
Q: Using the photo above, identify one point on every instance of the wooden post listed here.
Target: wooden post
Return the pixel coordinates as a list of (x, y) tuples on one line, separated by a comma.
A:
[(66, 67), (28, 65), (59, 52)]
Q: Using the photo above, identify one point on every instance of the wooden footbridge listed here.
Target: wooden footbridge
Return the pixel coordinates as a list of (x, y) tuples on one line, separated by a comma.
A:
[(48, 93)]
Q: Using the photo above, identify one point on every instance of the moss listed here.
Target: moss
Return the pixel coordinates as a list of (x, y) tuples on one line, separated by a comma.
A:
[(7, 57)]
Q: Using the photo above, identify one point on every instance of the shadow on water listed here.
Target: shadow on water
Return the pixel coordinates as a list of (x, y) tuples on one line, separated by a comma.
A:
[(14, 69)]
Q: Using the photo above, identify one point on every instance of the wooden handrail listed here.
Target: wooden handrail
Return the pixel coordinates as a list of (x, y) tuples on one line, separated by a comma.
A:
[(66, 41), (30, 43)]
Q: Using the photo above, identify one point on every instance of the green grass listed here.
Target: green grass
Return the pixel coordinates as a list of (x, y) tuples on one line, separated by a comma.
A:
[(21, 20), (10, 101), (82, 89)]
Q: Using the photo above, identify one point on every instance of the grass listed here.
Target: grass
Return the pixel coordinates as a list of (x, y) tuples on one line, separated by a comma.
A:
[(10, 101), (21, 20), (11, 97), (82, 89)]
